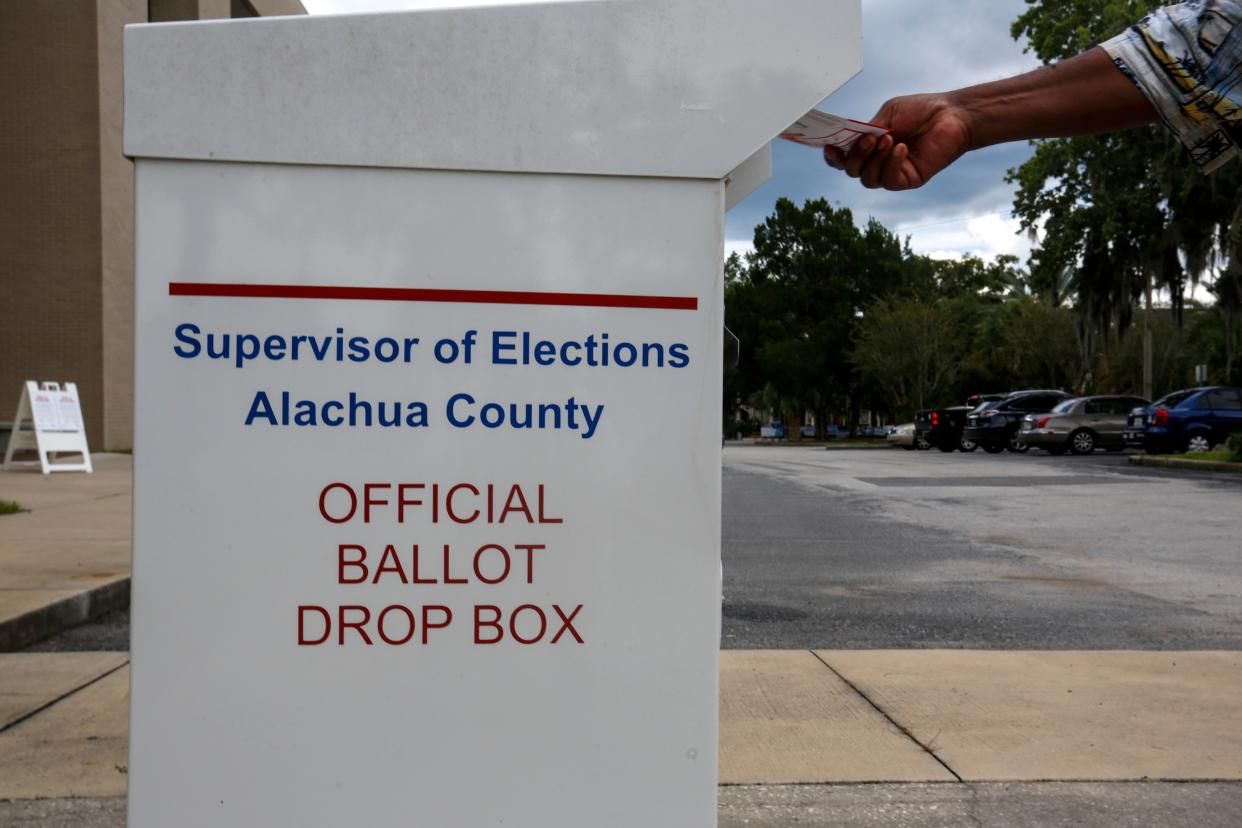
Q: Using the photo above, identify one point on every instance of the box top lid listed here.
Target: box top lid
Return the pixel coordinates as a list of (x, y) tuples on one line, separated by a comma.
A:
[(612, 87)]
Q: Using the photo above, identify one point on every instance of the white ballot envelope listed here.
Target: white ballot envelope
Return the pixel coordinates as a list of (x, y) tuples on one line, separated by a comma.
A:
[(819, 129)]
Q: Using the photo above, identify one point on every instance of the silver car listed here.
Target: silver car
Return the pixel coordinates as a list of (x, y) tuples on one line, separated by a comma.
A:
[(1081, 425), (907, 438)]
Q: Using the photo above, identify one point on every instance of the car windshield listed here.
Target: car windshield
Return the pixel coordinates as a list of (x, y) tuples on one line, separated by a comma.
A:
[(1174, 400), (984, 406), (1064, 407)]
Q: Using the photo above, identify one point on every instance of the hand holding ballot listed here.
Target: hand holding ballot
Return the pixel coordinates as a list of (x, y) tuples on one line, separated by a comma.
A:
[(908, 141), (819, 129), (920, 135)]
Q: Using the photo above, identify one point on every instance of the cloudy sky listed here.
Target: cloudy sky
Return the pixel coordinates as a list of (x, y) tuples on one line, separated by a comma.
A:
[(910, 47)]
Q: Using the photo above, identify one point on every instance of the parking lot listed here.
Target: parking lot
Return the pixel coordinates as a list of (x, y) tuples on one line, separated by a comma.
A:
[(894, 549)]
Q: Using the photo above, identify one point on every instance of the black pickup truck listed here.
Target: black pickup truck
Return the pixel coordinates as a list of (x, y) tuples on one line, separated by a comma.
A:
[(942, 427)]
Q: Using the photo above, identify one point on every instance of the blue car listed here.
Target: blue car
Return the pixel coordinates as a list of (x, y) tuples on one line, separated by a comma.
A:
[(1192, 420)]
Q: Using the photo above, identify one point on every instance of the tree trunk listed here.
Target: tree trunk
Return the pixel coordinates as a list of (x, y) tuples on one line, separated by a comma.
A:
[(1229, 343), (1147, 342), (1086, 344)]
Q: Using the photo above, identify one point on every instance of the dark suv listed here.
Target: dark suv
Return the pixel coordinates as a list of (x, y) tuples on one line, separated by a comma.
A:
[(943, 427), (994, 425), (1192, 420)]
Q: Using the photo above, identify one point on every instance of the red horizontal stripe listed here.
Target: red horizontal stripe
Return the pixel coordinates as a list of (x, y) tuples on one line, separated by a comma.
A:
[(486, 297)]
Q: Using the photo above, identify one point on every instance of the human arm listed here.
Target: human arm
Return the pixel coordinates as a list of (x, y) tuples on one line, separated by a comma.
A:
[(1085, 94)]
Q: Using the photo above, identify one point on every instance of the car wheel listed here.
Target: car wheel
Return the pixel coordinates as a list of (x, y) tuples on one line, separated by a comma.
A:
[(1082, 441), (1017, 446), (993, 448), (1197, 443), (922, 445), (967, 445)]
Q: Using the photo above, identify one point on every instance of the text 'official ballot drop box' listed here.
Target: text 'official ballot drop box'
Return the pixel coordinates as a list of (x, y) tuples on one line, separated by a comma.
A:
[(427, 453)]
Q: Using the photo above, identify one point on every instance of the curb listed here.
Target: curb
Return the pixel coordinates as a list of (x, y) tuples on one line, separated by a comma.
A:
[(814, 444), (21, 631), (1186, 465), (862, 447)]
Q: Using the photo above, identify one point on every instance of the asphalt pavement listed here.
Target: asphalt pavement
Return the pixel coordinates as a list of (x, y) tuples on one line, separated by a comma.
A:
[(994, 805), (875, 549), (984, 805), (109, 632)]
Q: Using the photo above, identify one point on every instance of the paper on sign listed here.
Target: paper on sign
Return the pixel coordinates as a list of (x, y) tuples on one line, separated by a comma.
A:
[(68, 412), (43, 407), (819, 129)]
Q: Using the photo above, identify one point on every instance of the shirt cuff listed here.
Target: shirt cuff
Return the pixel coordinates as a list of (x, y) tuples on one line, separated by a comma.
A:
[(1204, 137)]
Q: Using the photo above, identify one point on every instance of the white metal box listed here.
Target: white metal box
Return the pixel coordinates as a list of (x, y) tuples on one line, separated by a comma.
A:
[(385, 262)]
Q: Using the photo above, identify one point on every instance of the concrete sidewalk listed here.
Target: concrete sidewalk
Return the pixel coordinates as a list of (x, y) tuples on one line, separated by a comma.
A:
[(787, 718), (796, 717), (67, 559)]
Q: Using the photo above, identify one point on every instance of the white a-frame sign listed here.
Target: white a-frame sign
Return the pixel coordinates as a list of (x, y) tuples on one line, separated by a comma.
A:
[(55, 417)]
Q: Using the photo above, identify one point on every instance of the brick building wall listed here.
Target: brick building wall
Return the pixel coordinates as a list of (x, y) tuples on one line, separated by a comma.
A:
[(66, 211), (50, 229)]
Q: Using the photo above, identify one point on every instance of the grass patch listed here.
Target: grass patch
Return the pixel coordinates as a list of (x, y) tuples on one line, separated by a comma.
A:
[(10, 507), (1219, 456), (1234, 447), (1220, 461)]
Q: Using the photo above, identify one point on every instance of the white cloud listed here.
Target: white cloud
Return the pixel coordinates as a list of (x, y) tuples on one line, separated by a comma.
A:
[(739, 246), (986, 236)]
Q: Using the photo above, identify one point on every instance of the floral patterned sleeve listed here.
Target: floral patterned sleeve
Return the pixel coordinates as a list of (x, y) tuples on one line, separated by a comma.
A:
[(1187, 60)]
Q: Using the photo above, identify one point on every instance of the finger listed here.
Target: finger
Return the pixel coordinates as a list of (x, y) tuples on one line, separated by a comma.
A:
[(873, 171), (915, 176), (911, 178), (884, 118), (858, 156), (893, 176), (834, 158)]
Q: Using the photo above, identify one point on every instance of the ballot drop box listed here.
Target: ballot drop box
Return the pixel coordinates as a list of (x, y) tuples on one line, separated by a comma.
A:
[(427, 442)]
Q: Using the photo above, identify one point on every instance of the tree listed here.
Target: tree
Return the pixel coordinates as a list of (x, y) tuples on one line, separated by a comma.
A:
[(1176, 349), (1124, 214), (796, 301), (972, 277), (1228, 292), (909, 348), (1028, 344)]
